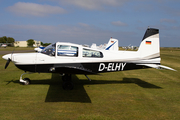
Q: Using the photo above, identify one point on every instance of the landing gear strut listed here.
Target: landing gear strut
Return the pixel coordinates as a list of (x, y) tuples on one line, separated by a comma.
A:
[(25, 81), (67, 83)]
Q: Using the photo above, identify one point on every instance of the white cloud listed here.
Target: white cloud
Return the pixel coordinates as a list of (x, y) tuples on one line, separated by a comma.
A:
[(81, 33), (83, 24), (168, 21), (118, 23), (22, 8), (93, 4)]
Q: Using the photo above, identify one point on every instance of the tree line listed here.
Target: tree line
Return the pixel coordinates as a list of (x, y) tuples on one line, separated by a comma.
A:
[(10, 41), (5, 39)]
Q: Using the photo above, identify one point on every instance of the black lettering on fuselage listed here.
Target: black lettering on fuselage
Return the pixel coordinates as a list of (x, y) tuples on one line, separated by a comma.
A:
[(111, 66)]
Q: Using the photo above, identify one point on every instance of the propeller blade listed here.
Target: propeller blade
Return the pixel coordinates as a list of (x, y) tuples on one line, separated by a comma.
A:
[(7, 63)]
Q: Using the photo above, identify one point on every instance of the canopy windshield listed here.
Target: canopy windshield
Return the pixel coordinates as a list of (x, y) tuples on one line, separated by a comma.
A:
[(49, 50)]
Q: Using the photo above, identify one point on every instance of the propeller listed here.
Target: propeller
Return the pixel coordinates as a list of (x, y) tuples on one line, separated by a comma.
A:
[(9, 60), (7, 63)]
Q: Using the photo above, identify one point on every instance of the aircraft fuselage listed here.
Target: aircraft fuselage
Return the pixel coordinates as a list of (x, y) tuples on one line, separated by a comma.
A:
[(79, 60)]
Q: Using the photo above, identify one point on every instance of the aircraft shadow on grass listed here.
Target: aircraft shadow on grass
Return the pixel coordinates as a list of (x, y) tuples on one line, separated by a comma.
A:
[(79, 94)]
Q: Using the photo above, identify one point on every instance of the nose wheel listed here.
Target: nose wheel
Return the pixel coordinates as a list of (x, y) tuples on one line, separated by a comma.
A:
[(26, 81)]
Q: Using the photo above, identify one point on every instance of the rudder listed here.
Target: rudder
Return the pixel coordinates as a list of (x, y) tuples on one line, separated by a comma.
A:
[(149, 47)]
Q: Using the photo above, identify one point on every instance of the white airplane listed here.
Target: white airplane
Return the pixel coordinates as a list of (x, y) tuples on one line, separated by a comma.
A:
[(39, 49), (4, 45), (112, 45), (67, 59)]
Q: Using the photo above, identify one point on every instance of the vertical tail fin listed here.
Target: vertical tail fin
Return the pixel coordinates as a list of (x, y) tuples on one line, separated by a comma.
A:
[(149, 47), (149, 50), (112, 45)]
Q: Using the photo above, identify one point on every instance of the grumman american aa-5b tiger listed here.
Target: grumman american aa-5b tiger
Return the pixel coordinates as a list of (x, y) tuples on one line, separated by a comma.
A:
[(68, 58)]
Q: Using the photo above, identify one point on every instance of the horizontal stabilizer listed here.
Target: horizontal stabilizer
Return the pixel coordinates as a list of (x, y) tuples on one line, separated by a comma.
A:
[(157, 66), (165, 67)]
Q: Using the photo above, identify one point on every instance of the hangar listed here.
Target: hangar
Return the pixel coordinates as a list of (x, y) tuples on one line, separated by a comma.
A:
[(24, 44)]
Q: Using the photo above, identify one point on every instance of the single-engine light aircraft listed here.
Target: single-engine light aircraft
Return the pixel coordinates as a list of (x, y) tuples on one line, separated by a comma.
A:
[(39, 49), (68, 58), (4, 45)]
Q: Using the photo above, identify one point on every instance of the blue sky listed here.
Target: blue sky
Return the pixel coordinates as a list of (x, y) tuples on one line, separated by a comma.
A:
[(90, 21)]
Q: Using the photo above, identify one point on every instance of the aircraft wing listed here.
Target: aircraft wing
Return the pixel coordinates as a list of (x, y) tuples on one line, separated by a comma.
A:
[(71, 70), (157, 66)]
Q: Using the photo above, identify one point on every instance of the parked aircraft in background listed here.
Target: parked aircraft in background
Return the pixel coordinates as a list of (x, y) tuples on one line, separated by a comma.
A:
[(4, 45), (130, 47), (68, 58), (112, 45), (39, 49)]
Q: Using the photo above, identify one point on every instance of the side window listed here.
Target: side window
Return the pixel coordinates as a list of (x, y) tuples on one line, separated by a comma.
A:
[(92, 53), (66, 50)]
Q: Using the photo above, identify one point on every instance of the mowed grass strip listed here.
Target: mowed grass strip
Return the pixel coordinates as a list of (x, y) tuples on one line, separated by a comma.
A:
[(10, 49), (137, 94)]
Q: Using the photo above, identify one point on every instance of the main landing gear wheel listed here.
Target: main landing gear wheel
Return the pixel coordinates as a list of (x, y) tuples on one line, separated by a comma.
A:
[(27, 81), (67, 84)]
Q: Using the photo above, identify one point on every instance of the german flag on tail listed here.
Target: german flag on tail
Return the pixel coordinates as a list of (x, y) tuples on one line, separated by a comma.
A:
[(148, 42)]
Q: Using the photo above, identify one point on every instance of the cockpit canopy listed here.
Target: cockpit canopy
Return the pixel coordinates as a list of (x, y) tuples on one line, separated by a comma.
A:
[(71, 51), (49, 50)]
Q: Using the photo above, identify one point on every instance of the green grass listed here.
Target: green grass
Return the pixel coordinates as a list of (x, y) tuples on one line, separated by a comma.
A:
[(16, 48), (138, 94)]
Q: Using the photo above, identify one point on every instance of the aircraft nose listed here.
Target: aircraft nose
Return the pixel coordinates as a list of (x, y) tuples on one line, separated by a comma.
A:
[(6, 56)]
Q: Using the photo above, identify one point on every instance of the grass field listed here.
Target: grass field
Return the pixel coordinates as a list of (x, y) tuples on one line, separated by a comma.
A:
[(16, 48), (147, 94)]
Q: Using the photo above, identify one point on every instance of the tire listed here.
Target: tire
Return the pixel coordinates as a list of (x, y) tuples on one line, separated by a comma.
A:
[(27, 81), (67, 85)]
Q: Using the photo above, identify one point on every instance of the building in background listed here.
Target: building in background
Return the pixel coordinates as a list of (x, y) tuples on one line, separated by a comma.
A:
[(24, 44)]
